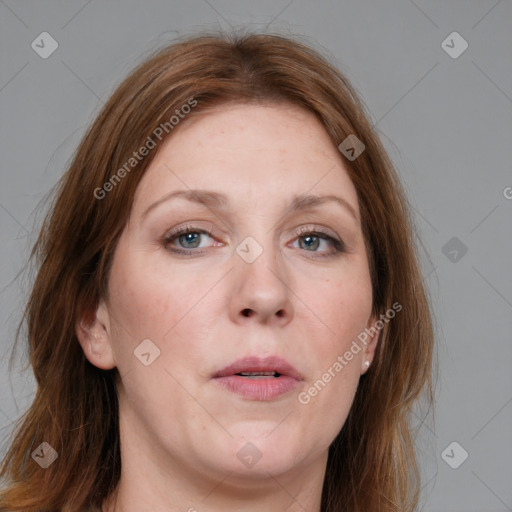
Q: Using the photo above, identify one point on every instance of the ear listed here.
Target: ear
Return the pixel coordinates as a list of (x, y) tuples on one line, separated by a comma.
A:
[(373, 335), (93, 333)]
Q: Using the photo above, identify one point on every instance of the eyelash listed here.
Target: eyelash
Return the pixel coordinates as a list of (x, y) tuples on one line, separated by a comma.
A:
[(339, 246)]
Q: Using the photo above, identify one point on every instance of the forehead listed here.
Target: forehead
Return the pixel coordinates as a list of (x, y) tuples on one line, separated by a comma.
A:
[(253, 153)]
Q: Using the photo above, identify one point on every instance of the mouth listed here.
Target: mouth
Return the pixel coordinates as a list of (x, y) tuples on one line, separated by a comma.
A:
[(258, 375), (261, 379), (261, 368)]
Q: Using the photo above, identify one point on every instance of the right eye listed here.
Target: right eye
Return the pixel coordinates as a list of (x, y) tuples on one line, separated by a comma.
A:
[(188, 238)]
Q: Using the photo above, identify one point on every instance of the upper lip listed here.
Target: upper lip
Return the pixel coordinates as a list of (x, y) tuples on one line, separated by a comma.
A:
[(258, 364)]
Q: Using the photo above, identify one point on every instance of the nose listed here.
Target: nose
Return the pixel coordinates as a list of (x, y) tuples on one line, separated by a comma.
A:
[(261, 290)]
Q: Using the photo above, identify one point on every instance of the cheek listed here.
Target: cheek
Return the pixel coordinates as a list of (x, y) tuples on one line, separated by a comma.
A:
[(151, 300), (325, 402), (345, 304), (343, 307), (148, 297)]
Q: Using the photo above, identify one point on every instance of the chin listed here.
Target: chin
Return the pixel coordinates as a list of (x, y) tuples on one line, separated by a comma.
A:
[(274, 464), (266, 454)]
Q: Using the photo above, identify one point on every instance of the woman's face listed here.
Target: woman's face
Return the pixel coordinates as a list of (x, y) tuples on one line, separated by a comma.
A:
[(225, 258)]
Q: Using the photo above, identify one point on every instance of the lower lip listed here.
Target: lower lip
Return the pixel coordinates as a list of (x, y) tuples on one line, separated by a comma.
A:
[(258, 389)]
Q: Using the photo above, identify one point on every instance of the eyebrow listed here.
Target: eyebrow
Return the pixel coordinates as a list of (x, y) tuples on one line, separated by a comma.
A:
[(217, 200)]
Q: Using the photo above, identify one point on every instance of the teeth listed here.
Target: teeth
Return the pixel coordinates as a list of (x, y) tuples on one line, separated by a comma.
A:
[(257, 374)]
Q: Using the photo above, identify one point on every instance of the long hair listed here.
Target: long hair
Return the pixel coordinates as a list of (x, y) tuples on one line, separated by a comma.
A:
[(371, 464)]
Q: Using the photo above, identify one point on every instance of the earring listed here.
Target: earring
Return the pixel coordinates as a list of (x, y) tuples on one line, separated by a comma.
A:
[(367, 364)]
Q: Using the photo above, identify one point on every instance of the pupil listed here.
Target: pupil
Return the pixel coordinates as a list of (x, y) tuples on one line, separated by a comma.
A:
[(309, 238), (189, 237)]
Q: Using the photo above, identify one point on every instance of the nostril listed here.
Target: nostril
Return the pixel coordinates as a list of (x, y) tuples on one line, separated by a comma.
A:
[(246, 312)]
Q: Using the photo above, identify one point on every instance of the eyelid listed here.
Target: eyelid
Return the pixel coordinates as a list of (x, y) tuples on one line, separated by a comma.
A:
[(187, 228), (309, 228)]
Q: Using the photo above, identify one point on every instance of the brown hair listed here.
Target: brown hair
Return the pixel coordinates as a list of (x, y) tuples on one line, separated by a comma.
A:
[(371, 464)]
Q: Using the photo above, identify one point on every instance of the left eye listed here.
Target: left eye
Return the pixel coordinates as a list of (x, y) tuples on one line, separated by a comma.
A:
[(312, 240)]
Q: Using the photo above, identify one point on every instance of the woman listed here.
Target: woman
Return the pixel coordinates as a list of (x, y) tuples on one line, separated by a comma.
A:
[(229, 312)]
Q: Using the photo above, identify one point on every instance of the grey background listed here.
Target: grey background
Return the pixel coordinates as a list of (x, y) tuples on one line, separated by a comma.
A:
[(447, 123)]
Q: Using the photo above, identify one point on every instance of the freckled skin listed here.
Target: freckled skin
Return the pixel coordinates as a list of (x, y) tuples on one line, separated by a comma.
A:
[(180, 431)]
